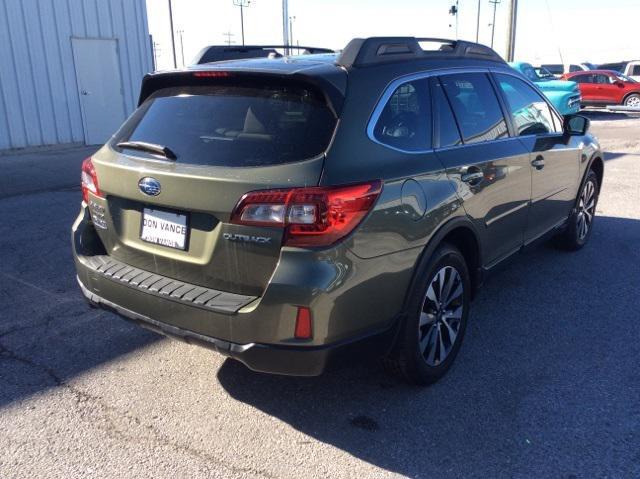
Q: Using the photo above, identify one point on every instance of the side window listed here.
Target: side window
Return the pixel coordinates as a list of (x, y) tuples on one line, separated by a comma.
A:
[(581, 78), (405, 121), (475, 106), (601, 79), (530, 113), (445, 129), (635, 71), (574, 68)]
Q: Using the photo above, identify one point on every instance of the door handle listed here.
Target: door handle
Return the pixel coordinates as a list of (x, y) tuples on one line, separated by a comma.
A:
[(472, 175), (538, 163)]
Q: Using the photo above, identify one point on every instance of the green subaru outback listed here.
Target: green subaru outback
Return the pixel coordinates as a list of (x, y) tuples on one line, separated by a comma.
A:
[(289, 212)]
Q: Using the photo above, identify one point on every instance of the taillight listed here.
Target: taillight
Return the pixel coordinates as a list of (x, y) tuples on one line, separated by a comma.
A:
[(89, 180), (314, 216)]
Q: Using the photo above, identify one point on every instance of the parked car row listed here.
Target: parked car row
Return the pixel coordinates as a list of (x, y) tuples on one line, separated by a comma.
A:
[(565, 95), (585, 86)]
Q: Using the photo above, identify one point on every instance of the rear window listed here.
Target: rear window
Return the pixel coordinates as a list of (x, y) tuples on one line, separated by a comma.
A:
[(405, 121), (233, 125)]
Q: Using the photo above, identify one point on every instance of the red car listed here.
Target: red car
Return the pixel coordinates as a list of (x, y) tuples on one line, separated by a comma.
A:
[(606, 87)]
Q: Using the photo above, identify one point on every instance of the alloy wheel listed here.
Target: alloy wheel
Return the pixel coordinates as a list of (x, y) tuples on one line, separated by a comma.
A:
[(441, 315), (586, 209), (633, 101)]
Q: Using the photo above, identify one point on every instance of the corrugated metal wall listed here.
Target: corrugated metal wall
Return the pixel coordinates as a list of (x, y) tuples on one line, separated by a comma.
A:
[(39, 102)]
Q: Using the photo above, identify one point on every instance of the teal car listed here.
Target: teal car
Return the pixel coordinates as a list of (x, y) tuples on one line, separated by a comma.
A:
[(564, 95)]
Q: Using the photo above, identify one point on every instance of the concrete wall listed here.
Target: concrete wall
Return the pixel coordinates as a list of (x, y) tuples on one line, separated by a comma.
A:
[(39, 99)]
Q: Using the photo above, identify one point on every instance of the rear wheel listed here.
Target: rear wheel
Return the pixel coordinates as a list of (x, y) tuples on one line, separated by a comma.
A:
[(580, 224), (632, 100), (431, 335)]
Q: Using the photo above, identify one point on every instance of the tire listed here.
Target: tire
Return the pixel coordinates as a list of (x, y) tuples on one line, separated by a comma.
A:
[(418, 355), (581, 220), (632, 100)]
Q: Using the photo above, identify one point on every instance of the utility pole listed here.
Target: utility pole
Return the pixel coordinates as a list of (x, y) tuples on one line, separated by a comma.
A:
[(478, 23), (291, 20), (156, 48), (173, 40), (511, 38), (285, 25), (242, 4), (454, 11), (180, 32), (493, 25), (228, 41)]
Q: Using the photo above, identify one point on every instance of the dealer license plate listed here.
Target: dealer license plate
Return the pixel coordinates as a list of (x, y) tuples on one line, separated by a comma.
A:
[(164, 228)]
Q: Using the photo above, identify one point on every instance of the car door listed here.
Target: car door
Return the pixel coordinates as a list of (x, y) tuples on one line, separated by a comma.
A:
[(586, 85), (490, 169), (554, 160), (607, 91)]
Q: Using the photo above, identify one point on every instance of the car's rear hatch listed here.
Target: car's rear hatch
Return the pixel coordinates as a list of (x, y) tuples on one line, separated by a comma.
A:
[(230, 135)]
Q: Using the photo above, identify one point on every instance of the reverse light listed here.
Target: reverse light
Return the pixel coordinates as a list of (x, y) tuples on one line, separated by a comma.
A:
[(89, 180), (314, 216)]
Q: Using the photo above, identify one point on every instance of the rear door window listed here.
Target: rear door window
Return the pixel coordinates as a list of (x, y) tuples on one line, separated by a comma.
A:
[(445, 130), (530, 114), (229, 125), (405, 121), (475, 107), (582, 78)]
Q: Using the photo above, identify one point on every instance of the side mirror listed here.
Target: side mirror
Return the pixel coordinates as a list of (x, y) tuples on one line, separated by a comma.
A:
[(576, 125), (619, 84)]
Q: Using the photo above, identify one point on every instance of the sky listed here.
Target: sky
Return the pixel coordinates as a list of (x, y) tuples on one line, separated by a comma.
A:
[(547, 30)]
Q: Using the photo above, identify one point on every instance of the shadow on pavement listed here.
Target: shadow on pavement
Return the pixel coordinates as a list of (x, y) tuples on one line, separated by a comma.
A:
[(48, 333), (543, 383), (605, 115), (610, 155)]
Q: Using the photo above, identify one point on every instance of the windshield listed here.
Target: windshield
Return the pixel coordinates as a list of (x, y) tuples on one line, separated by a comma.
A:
[(544, 74), (531, 73), (624, 78), (229, 125)]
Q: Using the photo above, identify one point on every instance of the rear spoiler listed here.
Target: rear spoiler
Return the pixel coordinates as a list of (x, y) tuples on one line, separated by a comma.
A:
[(152, 82)]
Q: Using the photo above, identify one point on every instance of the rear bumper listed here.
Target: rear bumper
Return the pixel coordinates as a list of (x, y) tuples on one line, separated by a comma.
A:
[(286, 360)]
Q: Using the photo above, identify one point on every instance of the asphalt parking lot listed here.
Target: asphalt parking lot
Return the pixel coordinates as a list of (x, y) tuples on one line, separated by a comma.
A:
[(546, 385)]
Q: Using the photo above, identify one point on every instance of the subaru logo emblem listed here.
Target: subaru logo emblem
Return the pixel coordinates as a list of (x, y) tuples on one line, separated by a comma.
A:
[(149, 186)]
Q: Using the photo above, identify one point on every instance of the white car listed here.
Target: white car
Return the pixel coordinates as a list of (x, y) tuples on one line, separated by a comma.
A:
[(630, 69), (558, 69)]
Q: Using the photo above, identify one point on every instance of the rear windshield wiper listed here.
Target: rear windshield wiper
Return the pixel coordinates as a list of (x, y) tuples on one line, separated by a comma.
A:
[(150, 147)]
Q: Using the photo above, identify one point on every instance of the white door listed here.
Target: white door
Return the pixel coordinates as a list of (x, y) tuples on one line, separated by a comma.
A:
[(99, 87)]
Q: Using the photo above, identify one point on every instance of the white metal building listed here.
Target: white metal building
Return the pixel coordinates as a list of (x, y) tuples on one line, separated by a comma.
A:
[(70, 70)]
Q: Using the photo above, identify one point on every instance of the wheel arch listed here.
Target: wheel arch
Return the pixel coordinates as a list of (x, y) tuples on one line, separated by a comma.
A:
[(461, 233), (624, 98), (597, 165)]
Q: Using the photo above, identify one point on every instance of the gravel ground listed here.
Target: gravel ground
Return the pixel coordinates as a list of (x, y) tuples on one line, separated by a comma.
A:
[(546, 385)]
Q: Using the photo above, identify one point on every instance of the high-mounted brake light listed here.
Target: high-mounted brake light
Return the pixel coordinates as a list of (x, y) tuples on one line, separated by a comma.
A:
[(89, 180), (315, 216), (211, 74)]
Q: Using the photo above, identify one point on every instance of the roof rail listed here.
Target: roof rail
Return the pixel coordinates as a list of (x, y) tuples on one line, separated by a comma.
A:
[(362, 52)]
